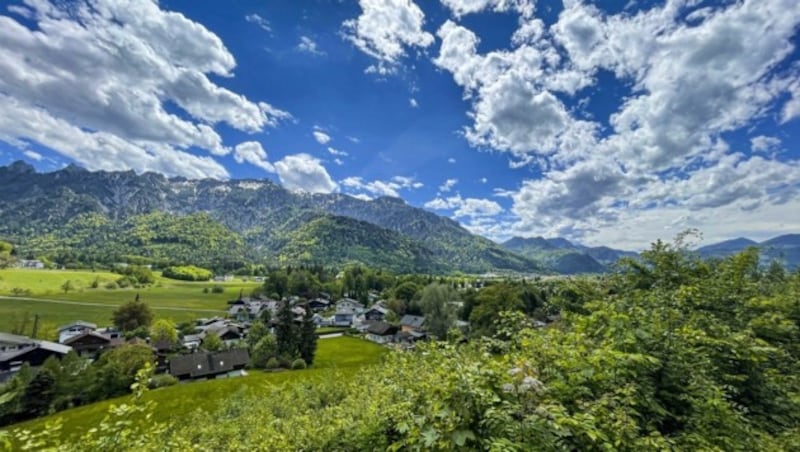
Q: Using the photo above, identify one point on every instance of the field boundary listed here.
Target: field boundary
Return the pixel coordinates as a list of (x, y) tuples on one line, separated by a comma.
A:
[(106, 305)]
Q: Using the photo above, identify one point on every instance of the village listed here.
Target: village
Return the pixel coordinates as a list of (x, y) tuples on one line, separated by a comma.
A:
[(190, 358)]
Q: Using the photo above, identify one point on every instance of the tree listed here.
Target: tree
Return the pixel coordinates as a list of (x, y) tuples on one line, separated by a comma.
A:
[(212, 342), (116, 369), (67, 286), (406, 291), (6, 254), (262, 351), (491, 301), (307, 337), (132, 315), (256, 332), (438, 309), (163, 330), (40, 393), (286, 333)]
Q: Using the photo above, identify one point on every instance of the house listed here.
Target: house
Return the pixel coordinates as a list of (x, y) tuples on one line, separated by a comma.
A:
[(318, 304), (321, 321), (381, 332), (74, 329), (348, 304), (31, 263), (203, 365), (376, 312), (16, 350), (91, 343), (223, 278), (411, 323), (343, 318), (192, 341)]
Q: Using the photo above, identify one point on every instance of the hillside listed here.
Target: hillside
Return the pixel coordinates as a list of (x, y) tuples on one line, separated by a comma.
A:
[(784, 249), (565, 257), (265, 216)]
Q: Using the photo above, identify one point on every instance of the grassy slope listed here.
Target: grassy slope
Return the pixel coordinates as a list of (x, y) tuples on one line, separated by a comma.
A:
[(188, 297), (341, 356)]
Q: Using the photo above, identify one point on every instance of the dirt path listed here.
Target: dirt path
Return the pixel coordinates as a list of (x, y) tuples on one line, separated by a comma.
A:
[(106, 305)]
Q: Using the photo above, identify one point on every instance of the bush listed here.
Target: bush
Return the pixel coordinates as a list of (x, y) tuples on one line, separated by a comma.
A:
[(217, 289), (111, 285), (272, 363), (187, 273), (161, 381), (205, 289), (298, 364)]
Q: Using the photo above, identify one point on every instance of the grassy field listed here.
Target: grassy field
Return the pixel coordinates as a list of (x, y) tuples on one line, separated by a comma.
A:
[(176, 300), (341, 356)]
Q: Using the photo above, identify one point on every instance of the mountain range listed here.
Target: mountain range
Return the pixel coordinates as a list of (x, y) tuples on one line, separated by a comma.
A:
[(86, 217), (97, 216)]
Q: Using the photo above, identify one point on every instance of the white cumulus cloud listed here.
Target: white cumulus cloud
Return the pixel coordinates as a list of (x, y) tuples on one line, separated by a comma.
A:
[(253, 153), (302, 172), (385, 30)]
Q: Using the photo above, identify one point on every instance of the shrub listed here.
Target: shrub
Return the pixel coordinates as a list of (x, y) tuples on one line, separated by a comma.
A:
[(111, 285), (161, 381), (272, 363), (217, 289), (298, 364), (187, 273), (205, 289)]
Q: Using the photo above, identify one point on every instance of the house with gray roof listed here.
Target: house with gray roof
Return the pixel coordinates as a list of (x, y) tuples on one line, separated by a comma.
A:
[(204, 365)]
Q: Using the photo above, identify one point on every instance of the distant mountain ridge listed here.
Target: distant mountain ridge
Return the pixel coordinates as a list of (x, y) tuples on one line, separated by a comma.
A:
[(566, 257), (271, 221), (784, 248)]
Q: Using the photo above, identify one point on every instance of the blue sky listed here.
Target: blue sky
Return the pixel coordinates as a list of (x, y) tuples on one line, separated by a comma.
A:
[(603, 122)]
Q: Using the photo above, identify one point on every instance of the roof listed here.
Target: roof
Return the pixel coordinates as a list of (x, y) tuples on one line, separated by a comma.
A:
[(205, 364), (77, 323), (43, 345), (379, 308), (381, 329), (351, 301), (9, 338), (78, 337), (413, 321)]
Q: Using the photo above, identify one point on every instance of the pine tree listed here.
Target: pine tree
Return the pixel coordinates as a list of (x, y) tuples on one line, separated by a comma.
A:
[(286, 332), (307, 337)]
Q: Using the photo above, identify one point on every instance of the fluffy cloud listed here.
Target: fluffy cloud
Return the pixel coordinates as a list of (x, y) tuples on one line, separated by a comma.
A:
[(448, 185), (33, 155), (413, 103), (310, 46), (763, 143), (381, 188), (252, 153), (138, 58), (464, 7), (465, 207), (302, 172), (693, 74), (321, 137), (385, 30)]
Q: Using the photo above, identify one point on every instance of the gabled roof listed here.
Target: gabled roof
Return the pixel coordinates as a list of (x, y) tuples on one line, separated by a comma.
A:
[(81, 336), (16, 339), (413, 321), (77, 323), (381, 329), (378, 308), (204, 364), (43, 345)]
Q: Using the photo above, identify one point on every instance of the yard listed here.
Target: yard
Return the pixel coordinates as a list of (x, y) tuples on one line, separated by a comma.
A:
[(176, 300), (342, 356)]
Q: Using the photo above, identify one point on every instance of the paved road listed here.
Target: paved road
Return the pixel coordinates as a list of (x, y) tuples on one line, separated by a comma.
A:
[(86, 303)]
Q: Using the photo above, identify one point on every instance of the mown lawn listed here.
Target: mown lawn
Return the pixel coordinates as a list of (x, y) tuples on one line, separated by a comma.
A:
[(341, 356), (176, 300)]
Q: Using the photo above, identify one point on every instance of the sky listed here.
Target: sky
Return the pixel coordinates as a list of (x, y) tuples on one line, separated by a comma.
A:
[(603, 122)]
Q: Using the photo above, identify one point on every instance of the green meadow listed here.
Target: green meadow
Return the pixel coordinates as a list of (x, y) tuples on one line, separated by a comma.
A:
[(339, 357), (39, 292)]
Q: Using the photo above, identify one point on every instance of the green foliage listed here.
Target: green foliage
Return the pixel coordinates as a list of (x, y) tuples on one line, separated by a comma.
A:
[(117, 368), (437, 305), (164, 330), (68, 286), (298, 364), (272, 363), (489, 302), (132, 315), (212, 342), (263, 352), (161, 381), (187, 273)]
